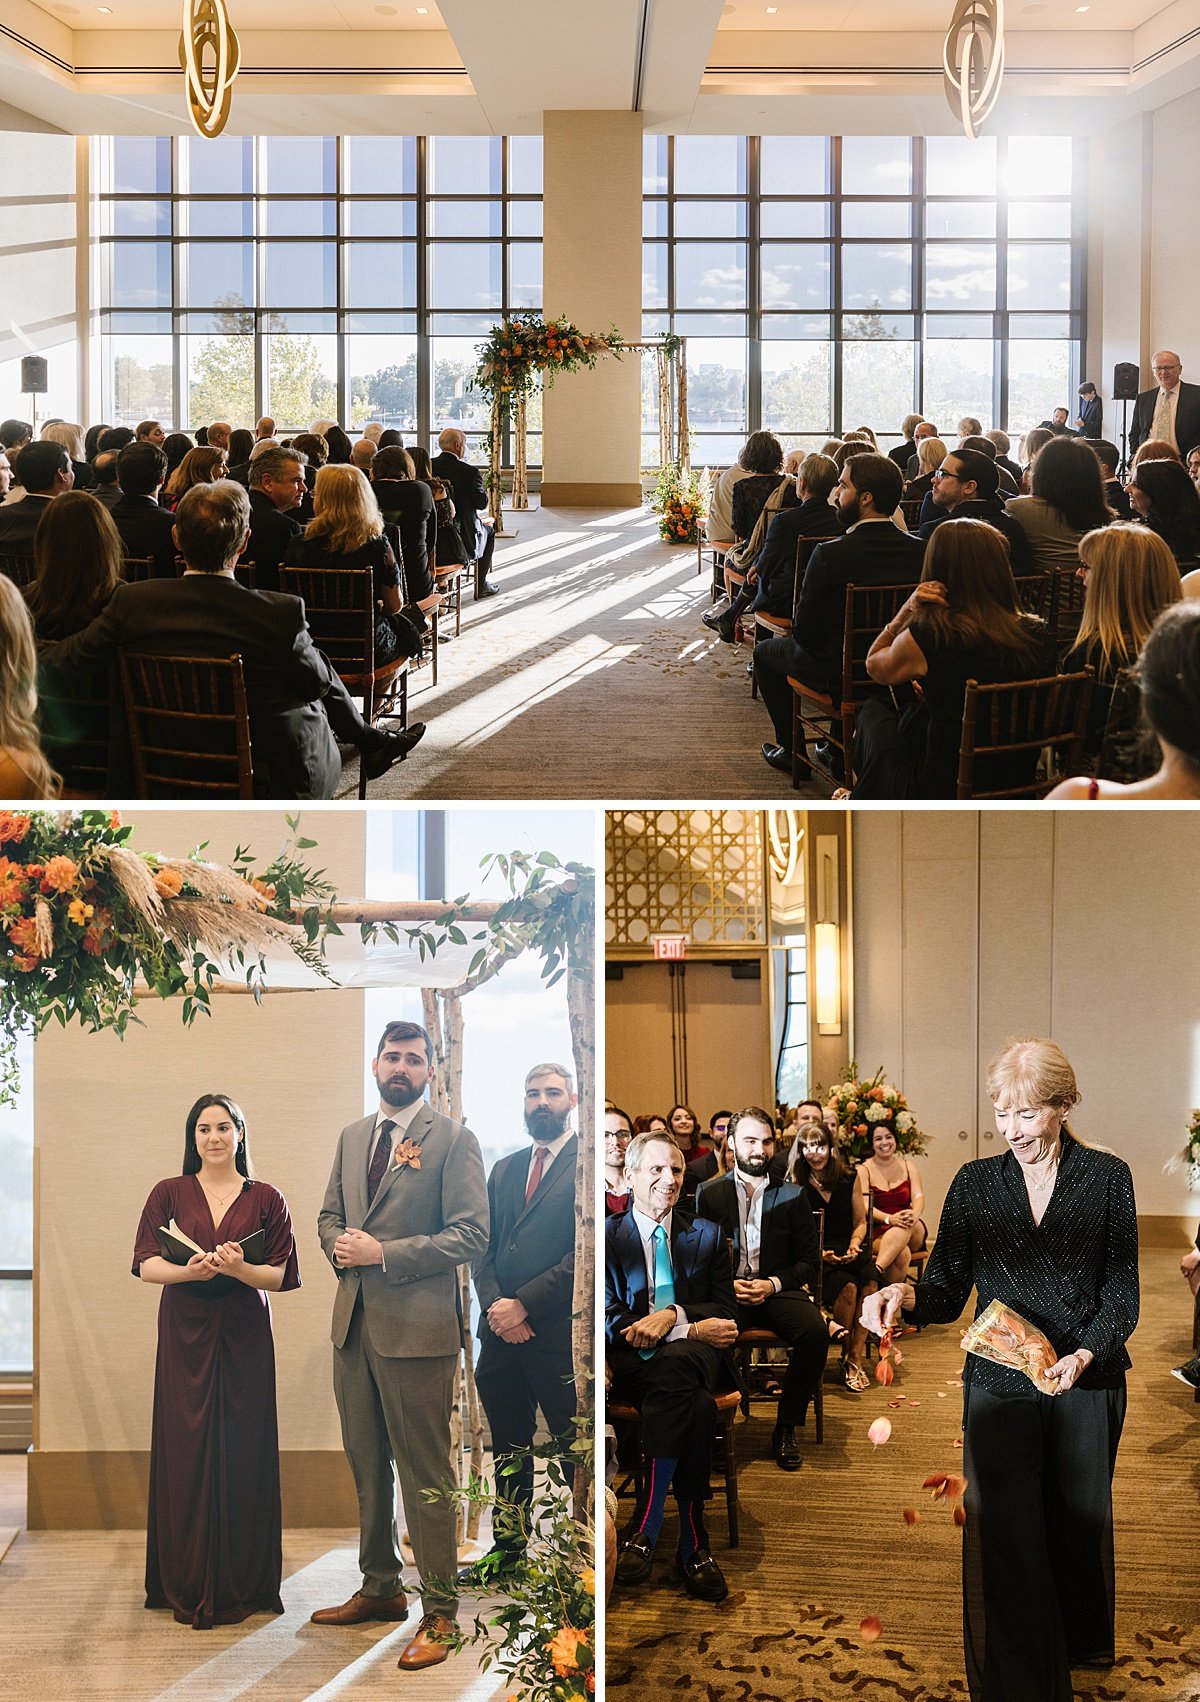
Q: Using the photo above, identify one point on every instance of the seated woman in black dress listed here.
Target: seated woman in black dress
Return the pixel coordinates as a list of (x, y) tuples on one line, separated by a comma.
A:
[(214, 1532), (963, 622), (1164, 498), (847, 1270), (407, 504), (347, 531)]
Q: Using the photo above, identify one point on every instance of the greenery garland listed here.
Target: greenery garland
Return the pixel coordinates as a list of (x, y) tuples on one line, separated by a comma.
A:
[(521, 348)]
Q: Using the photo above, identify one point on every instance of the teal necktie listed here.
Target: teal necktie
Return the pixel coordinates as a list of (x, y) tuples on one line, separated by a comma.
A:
[(664, 1279)]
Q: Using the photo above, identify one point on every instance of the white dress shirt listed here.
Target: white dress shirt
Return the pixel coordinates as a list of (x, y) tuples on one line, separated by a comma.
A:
[(645, 1228), (751, 1192), (553, 1148)]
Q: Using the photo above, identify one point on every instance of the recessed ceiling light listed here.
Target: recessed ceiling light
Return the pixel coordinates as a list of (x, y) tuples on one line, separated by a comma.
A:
[(107, 10), (1083, 8), (771, 10), (422, 11)]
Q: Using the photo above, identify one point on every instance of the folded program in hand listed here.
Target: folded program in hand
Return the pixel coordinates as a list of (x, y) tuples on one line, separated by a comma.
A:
[(1004, 1337)]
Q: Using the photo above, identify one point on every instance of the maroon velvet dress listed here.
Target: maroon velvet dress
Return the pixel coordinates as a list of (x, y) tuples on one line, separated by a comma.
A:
[(214, 1533)]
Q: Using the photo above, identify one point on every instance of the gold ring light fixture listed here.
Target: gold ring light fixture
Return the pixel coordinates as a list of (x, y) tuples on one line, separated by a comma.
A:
[(209, 54)]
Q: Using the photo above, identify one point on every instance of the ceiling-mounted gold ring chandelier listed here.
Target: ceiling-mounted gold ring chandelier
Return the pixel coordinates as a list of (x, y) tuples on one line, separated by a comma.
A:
[(209, 54), (973, 61)]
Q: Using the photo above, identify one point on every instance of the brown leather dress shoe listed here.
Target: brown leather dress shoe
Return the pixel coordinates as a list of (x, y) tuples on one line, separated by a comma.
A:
[(429, 1646), (361, 1608)]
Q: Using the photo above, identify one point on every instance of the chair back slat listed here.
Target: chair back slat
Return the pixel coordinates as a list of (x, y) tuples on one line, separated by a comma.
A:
[(1127, 750), (910, 508), (1036, 594), (189, 725), (339, 603), (135, 570), (1022, 718), (869, 608), (73, 723), (804, 549), (21, 569)]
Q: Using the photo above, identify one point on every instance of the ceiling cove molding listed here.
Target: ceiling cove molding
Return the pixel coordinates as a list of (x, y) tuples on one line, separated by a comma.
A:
[(1162, 52), (298, 71), (36, 48), (825, 73)]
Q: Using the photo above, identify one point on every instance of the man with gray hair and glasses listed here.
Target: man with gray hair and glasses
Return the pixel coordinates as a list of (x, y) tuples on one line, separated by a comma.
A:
[(298, 705), (1170, 411), (277, 486)]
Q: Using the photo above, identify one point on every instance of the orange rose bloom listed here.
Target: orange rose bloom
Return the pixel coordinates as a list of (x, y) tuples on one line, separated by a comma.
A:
[(61, 874), (12, 827), (12, 883), (168, 883), (563, 1650), (23, 934)]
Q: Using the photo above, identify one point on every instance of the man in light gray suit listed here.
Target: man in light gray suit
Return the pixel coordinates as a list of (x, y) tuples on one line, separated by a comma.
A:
[(406, 1205)]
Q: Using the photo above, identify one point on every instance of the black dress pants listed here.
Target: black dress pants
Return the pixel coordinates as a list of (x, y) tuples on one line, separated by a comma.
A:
[(673, 1391), (514, 1379), (1038, 1586), (800, 1324), (774, 660)]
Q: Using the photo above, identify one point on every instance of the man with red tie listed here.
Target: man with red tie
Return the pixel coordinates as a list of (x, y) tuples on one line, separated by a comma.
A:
[(525, 1283)]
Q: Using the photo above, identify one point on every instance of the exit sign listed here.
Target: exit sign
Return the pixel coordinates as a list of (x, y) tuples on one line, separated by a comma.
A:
[(670, 946)]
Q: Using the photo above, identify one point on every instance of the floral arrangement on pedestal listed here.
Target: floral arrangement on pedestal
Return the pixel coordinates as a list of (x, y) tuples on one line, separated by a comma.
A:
[(1192, 1150), (679, 502), (863, 1104)]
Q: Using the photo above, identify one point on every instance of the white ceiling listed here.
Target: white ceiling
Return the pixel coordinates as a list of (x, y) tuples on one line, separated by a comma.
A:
[(803, 15), (251, 14)]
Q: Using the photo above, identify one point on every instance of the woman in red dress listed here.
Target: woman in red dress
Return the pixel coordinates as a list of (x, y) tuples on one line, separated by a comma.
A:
[(214, 1530), (898, 1202)]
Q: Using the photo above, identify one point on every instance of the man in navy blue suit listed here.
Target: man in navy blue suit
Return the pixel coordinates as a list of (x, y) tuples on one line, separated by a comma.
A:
[(670, 1314), (525, 1283)]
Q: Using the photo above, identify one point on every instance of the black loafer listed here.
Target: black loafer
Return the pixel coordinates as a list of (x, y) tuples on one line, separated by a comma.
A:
[(487, 591), (392, 748), (635, 1560), (778, 758), (701, 1576), (713, 617), (1188, 1373), (785, 1448)]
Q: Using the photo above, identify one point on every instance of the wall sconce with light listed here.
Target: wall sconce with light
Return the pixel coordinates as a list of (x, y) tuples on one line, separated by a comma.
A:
[(827, 935)]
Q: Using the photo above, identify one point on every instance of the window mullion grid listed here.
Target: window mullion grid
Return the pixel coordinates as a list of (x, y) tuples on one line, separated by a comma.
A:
[(1077, 320), (1000, 320), (506, 453), (753, 332), (183, 401), (424, 339), (920, 225), (341, 271), (262, 386), (835, 281)]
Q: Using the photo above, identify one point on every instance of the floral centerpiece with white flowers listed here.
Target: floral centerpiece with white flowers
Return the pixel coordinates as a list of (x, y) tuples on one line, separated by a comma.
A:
[(862, 1105)]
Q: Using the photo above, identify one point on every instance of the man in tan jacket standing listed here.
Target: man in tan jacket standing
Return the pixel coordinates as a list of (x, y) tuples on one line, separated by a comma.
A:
[(405, 1207)]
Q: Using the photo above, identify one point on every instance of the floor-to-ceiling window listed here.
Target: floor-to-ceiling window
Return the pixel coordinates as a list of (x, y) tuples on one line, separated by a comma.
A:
[(829, 282), (311, 277)]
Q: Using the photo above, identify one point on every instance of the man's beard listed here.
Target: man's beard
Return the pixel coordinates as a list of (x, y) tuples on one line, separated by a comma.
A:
[(752, 1166), (398, 1093), (546, 1124)]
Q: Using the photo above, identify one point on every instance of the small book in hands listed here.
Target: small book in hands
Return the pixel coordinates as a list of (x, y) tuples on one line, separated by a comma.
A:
[(177, 1248)]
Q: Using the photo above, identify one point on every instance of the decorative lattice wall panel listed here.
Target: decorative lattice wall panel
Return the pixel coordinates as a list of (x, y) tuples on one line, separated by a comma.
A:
[(695, 872)]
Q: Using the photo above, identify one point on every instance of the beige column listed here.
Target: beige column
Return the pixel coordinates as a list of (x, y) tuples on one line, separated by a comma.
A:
[(592, 236)]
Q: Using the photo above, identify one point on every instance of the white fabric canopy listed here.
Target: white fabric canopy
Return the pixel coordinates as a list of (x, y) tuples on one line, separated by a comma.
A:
[(380, 964)]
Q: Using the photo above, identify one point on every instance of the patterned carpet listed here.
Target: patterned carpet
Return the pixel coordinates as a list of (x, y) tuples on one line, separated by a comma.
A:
[(828, 1547), (590, 673)]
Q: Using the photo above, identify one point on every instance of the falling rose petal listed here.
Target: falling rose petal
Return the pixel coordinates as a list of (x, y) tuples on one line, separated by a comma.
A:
[(880, 1432), (958, 1443), (911, 1516), (936, 1480), (956, 1486), (870, 1629), (898, 1403), (884, 1373), (960, 1515), (940, 1395), (897, 1356), (914, 1403)]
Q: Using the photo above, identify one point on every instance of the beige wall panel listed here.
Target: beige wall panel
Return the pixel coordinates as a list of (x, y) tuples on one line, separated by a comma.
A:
[(37, 264), (110, 1118), (592, 260), (726, 1023), (1174, 257)]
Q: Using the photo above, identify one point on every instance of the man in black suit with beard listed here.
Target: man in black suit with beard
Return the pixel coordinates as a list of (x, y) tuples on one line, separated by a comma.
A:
[(1170, 411), (670, 1314), (297, 703), (470, 501), (775, 1254), (45, 470), (525, 1283)]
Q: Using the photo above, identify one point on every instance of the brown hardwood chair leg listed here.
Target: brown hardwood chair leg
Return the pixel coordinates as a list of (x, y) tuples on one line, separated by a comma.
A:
[(731, 1489)]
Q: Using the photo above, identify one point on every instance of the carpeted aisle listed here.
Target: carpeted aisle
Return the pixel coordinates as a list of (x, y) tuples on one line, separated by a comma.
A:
[(589, 676), (828, 1547)]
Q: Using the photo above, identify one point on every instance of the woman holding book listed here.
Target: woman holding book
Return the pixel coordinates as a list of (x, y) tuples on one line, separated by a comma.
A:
[(1048, 1229), (217, 1241)]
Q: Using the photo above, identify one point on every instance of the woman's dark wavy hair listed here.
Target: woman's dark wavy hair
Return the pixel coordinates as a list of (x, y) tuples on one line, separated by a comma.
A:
[(1174, 506), (191, 1155), (762, 452), (339, 447), (1067, 475), (1170, 678), (691, 1114)]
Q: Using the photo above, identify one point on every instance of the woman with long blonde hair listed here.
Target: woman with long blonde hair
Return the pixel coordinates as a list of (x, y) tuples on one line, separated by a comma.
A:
[(201, 466), (346, 530), (24, 771)]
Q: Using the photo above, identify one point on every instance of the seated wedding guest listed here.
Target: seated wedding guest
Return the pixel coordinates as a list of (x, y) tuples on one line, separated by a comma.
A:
[(904, 451), (1003, 444), (965, 488), (6, 475), (147, 530), (898, 1200), (670, 1313), (363, 454), (264, 428), (963, 622), (373, 431), (241, 446), (683, 1126), (920, 433), (650, 1124), (45, 471), (215, 1441), (1008, 486), (1031, 443), (773, 1234), (719, 524), (175, 446), (1169, 681), (1164, 498), (218, 435), (71, 438), (407, 504), (346, 531), (115, 437), (867, 434), (1130, 577), (872, 552), (24, 771), (847, 1270), (106, 490), (1155, 449), (931, 452), (297, 703), (389, 440), (78, 554), (1109, 457), (787, 1152), (277, 487), (317, 450), (1057, 425), (338, 444), (466, 486), (91, 441), (200, 466), (150, 431), (771, 579), (713, 1163), (1189, 1265), (1066, 500), (618, 1132), (1193, 464), (762, 459), (849, 447), (969, 426)]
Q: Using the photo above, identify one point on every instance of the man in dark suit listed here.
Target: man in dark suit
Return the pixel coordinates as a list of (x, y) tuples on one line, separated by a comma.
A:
[(966, 487), (277, 486), (147, 531), (525, 1283), (1057, 425), (670, 1312), (1003, 443), (470, 501), (106, 490), (775, 1258), (1170, 411), (45, 470), (297, 702), (771, 581), (874, 551), (1090, 418)]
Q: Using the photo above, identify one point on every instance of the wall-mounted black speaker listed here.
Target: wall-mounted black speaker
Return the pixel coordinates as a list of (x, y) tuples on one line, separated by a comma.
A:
[(1125, 381), (614, 972), (749, 969), (33, 375)]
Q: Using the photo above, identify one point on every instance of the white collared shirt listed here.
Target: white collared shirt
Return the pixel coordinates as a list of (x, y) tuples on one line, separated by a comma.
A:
[(645, 1228), (751, 1192), (553, 1148)]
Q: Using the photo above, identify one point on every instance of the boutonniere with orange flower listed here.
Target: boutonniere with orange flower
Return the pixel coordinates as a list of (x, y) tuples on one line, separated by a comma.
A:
[(406, 1154)]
